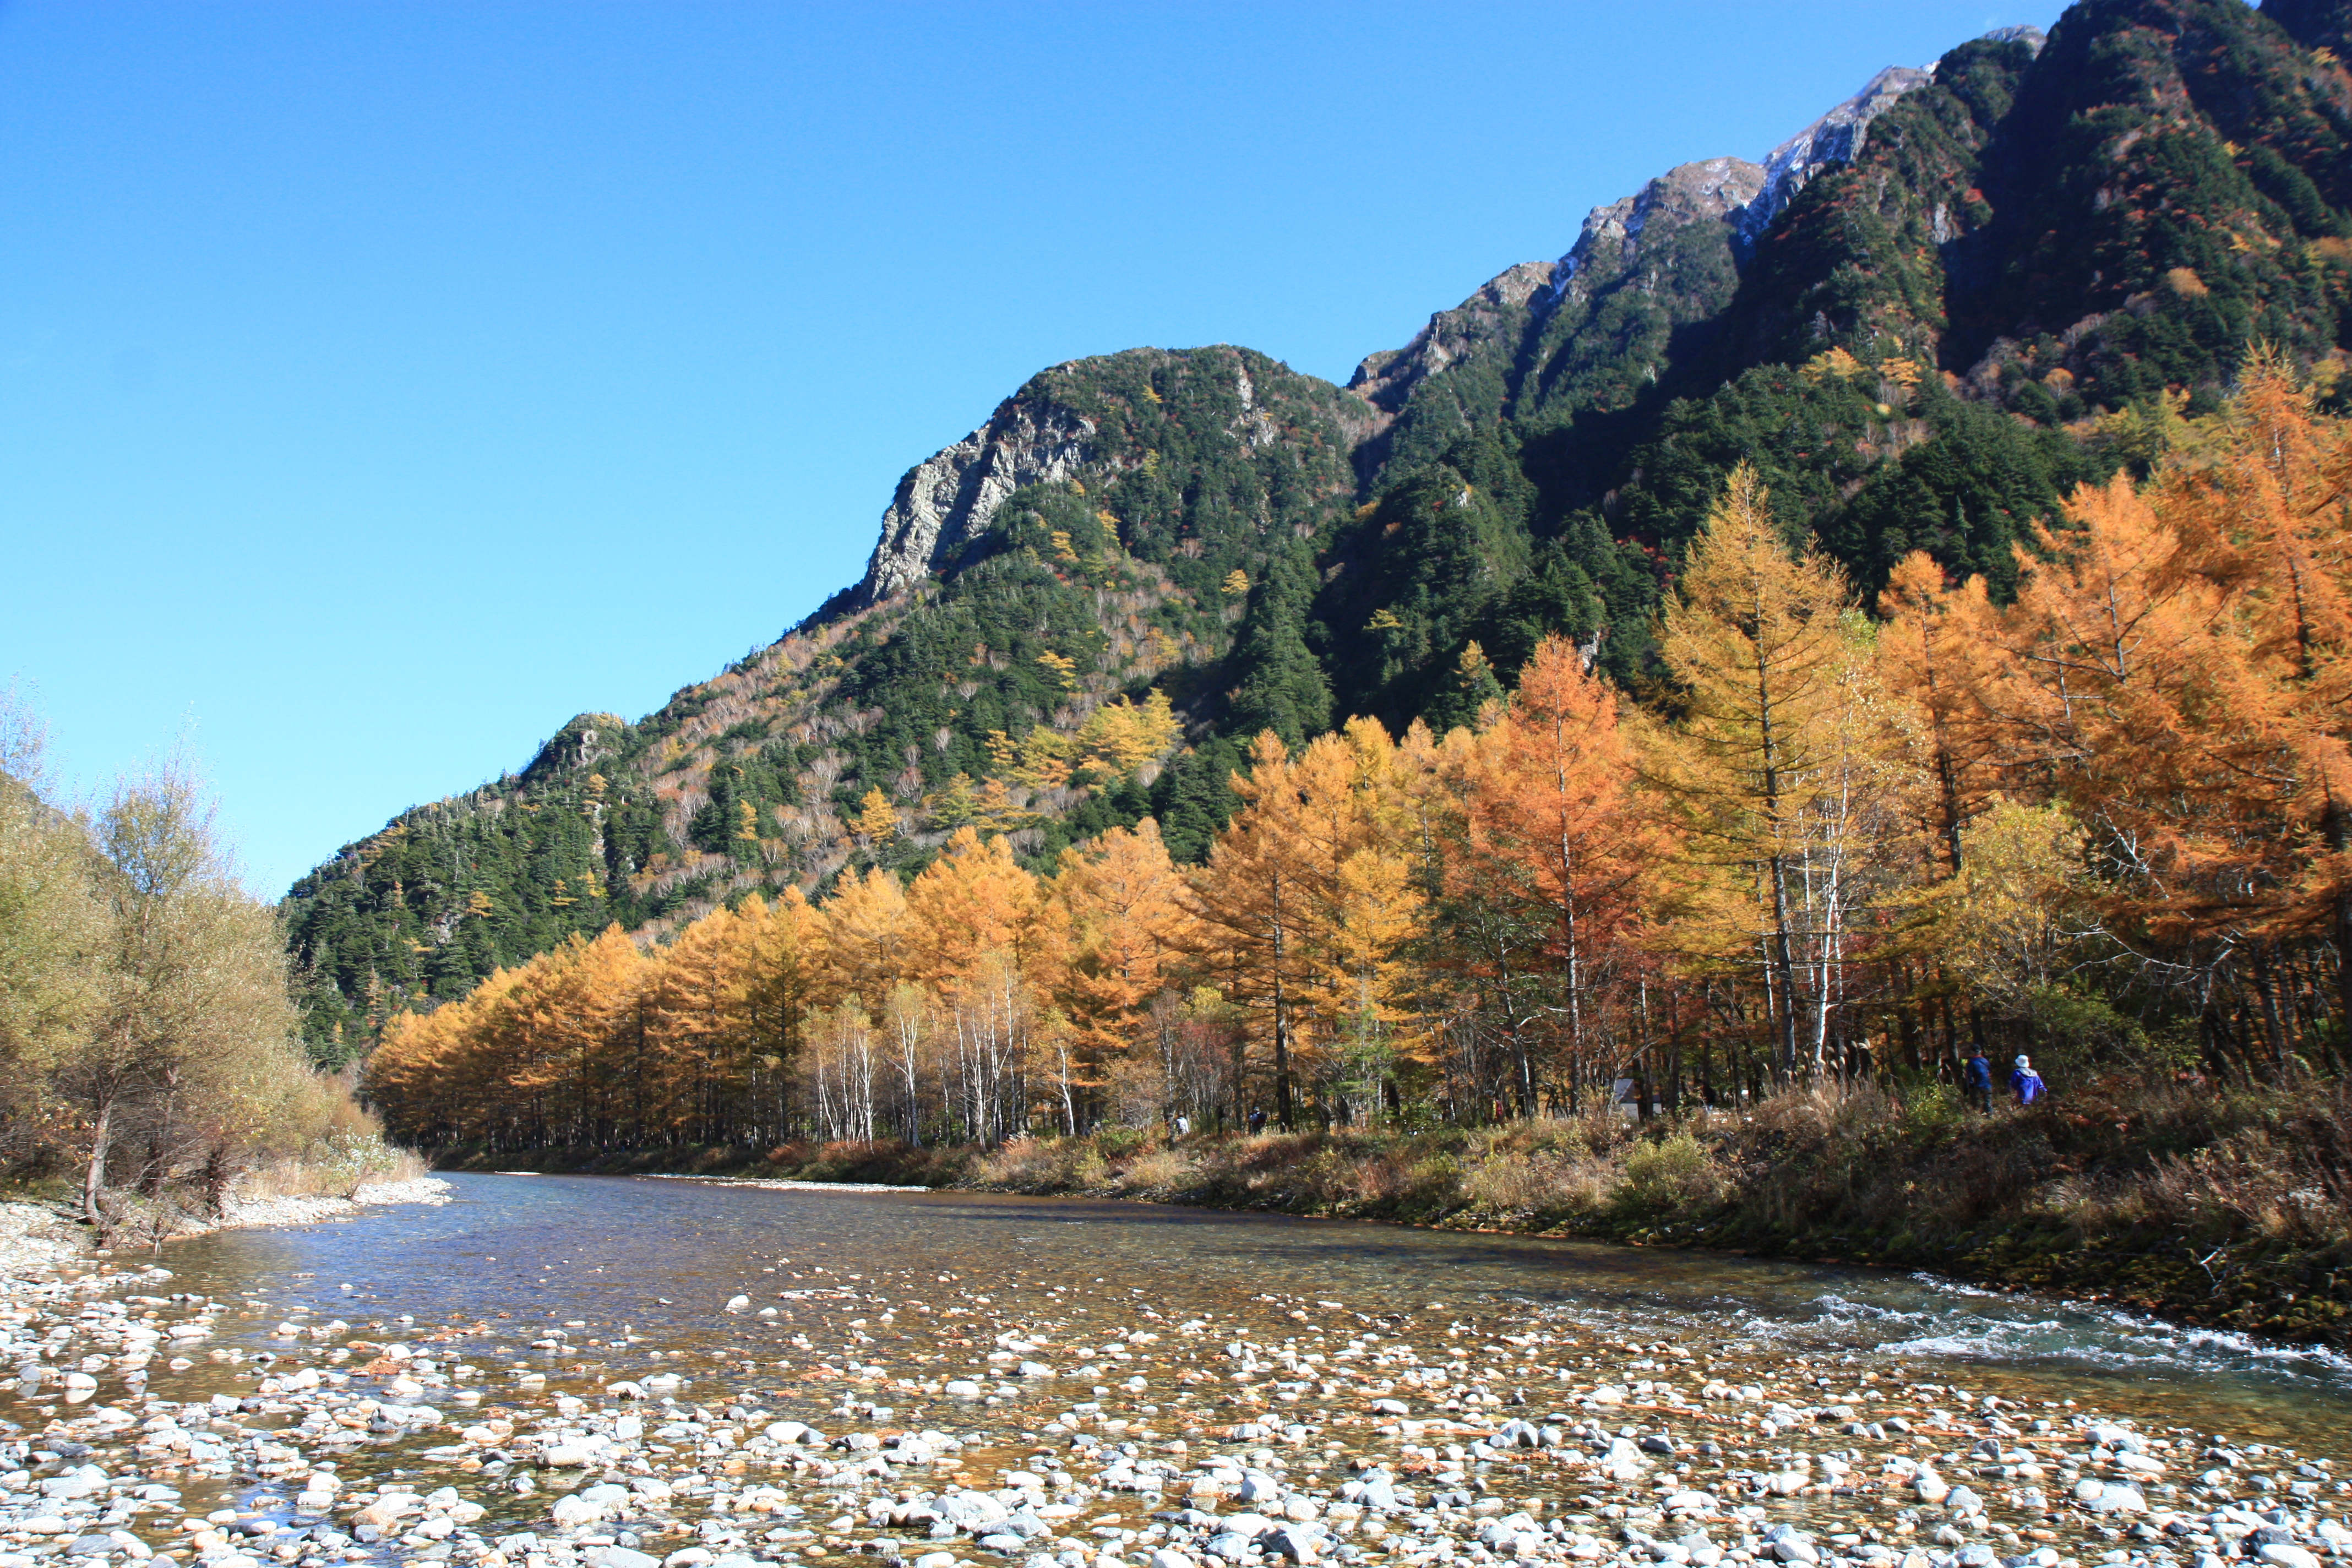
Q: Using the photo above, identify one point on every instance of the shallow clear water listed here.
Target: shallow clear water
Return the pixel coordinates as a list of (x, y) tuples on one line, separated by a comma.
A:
[(1173, 1329), (663, 1257)]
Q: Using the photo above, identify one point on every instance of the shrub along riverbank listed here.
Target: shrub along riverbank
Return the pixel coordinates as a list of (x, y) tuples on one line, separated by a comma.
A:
[(2226, 1208), (151, 1067)]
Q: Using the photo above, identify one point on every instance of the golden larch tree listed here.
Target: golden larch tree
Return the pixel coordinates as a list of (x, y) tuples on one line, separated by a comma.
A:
[(1252, 907), (867, 934), (1756, 635), (1554, 833), (1120, 906), (974, 899)]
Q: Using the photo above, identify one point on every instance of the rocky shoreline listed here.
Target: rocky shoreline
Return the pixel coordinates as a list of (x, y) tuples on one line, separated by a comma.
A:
[(69, 1326), (36, 1236), (242, 1213), (1313, 1435)]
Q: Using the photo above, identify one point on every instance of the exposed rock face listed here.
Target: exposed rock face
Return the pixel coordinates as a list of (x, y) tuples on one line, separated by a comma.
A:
[(1611, 243), (1835, 138), (1386, 379), (950, 496), (1681, 235), (1709, 192), (1838, 136), (575, 746), (1603, 313)]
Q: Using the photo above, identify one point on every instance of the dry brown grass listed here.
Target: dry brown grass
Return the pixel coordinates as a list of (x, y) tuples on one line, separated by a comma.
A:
[(1156, 1170), (1823, 1113), (2282, 1176), (1542, 1182), (1043, 1164), (1829, 1159), (332, 1172)]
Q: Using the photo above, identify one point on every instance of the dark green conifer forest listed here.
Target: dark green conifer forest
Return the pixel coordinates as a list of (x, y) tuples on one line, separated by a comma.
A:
[(2035, 269)]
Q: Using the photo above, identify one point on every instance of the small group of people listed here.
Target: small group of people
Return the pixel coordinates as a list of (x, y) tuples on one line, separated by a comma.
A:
[(1183, 1125), (1977, 1079)]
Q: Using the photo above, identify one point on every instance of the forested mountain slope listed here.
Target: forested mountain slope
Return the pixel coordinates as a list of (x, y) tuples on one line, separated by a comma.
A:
[(1923, 319)]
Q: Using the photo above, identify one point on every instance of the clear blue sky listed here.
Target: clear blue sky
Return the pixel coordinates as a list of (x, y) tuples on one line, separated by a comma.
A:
[(382, 384)]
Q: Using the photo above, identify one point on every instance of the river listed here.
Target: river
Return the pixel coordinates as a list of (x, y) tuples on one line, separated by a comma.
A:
[(1123, 1323)]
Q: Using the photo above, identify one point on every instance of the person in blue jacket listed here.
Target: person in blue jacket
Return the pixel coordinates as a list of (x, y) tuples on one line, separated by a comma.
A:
[(1976, 1079), (2027, 1082)]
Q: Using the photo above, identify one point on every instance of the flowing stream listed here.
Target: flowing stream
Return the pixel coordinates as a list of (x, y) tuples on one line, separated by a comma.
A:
[(661, 1257), (1022, 1326)]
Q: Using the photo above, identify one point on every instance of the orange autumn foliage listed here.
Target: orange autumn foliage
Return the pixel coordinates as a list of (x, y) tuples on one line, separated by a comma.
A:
[(1834, 844)]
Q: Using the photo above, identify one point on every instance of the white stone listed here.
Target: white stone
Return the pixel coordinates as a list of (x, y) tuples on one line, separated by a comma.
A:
[(2283, 1555), (621, 1557)]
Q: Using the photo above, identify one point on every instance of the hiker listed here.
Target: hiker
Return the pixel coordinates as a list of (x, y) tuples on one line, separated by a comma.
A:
[(1183, 1127), (1256, 1122), (1976, 1079), (2027, 1082)]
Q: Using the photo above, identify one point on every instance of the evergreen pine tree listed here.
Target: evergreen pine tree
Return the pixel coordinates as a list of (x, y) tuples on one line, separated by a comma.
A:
[(1194, 799), (1283, 688)]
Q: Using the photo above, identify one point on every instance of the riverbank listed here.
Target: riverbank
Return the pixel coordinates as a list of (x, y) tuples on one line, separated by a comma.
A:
[(38, 1238), (842, 1379), (2210, 1207), (241, 1212)]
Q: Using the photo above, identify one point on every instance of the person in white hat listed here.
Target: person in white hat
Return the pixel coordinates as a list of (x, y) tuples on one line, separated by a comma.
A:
[(2026, 1081)]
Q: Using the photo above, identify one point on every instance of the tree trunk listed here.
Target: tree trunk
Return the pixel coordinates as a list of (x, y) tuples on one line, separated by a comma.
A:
[(2338, 823), (94, 1181), (2273, 1028), (1281, 1020), (1783, 959)]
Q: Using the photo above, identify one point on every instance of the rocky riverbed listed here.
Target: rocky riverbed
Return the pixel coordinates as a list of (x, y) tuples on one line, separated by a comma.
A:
[(882, 1408)]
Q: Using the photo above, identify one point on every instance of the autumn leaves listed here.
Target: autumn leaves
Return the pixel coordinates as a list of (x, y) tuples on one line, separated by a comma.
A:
[(1825, 841), (942, 1005)]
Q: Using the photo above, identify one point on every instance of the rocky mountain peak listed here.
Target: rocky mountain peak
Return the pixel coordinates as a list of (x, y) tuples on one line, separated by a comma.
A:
[(1838, 136), (1710, 191), (1835, 138), (951, 496), (1616, 240), (2030, 36), (1386, 379)]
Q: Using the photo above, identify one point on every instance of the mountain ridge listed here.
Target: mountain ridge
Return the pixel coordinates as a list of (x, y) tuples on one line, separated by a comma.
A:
[(1263, 549)]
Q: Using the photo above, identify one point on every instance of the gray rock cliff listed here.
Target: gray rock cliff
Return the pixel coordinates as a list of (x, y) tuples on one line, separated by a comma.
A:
[(1386, 380), (951, 496), (1836, 137), (1710, 192)]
